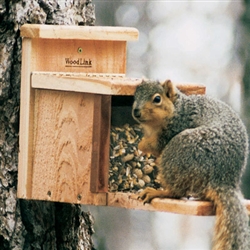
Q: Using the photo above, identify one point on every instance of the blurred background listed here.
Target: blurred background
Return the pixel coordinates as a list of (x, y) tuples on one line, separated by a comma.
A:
[(204, 42)]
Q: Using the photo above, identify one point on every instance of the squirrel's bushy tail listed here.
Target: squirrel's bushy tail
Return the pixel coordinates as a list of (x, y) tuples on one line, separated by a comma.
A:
[(231, 225)]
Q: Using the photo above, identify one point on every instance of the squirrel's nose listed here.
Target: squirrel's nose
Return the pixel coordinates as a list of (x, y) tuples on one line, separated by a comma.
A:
[(137, 113)]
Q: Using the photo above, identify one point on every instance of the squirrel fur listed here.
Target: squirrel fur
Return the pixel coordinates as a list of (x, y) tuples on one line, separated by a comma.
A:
[(201, 146)]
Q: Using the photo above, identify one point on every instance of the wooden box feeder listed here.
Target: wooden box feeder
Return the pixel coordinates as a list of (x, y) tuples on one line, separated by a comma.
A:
[(71, 78)]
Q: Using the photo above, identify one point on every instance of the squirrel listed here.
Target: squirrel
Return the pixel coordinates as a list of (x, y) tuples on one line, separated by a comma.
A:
[(201, 146)]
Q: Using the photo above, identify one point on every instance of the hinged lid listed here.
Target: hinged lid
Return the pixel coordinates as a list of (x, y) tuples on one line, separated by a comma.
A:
[(79, 32)]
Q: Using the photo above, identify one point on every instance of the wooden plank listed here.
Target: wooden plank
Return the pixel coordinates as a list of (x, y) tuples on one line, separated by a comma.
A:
[(63, 148), (110, 85), (95, 166), (79, 56), (104, 143), (199, 208), (101, 142), (130, 201), (191, 88), (79, 32), (26, 126)]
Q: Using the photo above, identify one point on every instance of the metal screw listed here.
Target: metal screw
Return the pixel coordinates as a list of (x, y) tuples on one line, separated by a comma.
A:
[(49, 193), (79, 50)]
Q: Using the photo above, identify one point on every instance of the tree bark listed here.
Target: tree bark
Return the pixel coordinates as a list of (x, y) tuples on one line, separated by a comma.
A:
[(33, 224)]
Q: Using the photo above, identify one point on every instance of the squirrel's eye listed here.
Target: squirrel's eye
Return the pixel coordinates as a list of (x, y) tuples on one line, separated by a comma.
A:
[(157, 99)]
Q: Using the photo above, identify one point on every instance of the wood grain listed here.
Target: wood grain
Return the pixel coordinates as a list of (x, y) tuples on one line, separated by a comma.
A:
[(199, 208), (103, 84), (79, 32), (26, 124), (64, 56), (56, 131), (101, 143), (130, 201), (191, 88), (62, 147)]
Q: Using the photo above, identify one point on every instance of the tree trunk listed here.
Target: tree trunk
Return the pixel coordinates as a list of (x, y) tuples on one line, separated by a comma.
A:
[(33, 224)]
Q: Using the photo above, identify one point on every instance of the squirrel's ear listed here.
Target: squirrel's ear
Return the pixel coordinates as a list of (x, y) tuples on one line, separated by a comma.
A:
[(169, 89)]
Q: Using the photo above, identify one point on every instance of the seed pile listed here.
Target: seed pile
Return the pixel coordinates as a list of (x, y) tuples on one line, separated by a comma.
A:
[(130, 169)]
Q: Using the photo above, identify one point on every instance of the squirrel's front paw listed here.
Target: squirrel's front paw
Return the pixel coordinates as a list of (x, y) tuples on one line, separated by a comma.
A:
[(147, 195), (149, 146)]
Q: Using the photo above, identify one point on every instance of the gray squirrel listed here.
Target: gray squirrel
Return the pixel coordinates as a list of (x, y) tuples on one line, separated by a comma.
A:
[(201, 147)]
